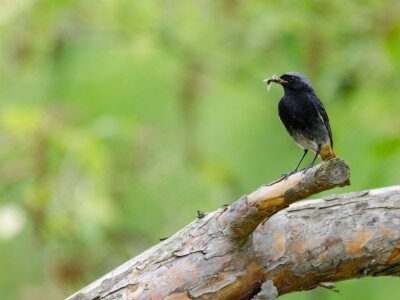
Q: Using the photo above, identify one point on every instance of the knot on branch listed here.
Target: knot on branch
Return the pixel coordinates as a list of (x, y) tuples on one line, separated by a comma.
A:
[(335, 171)]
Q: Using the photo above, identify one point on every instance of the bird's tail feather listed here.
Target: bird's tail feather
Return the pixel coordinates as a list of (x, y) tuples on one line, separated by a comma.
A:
[(326, 152)]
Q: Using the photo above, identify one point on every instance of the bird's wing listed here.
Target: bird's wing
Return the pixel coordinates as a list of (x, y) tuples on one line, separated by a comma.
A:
[(324, 116)]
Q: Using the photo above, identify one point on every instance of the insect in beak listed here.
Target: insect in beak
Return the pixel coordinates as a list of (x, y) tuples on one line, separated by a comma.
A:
[(275, 79)]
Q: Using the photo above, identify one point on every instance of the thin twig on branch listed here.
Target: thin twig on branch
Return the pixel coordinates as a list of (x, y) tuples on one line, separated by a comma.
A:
[(309, 243)]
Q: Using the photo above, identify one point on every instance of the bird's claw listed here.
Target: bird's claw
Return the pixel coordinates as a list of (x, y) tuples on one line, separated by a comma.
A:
[(287, 175), (304, 171)]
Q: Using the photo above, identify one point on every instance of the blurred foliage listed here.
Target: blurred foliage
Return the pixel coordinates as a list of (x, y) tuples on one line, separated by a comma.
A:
[(119, 119)]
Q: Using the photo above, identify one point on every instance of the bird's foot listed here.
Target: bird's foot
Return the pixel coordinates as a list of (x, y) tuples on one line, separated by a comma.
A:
[(287, 175), (304, 171)]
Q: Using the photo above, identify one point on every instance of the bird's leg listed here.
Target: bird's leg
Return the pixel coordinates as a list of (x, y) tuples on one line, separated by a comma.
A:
[(313, 161), (297, 167)]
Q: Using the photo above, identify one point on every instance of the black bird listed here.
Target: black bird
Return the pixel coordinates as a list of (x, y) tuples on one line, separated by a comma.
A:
[(304, 116)]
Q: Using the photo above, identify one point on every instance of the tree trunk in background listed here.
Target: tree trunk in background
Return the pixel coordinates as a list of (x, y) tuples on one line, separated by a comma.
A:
[(255, 248)]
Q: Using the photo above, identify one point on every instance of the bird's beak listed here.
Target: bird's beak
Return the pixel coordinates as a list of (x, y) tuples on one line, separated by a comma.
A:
[(275, 79)]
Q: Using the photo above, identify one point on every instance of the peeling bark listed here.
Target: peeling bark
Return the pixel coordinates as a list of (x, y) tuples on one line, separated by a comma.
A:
[(346, 236), (253, 248)]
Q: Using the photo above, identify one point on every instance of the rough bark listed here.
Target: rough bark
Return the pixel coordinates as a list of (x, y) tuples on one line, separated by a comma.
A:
[(228, 254)]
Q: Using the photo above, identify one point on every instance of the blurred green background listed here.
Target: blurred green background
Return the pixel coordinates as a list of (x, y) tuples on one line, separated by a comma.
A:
[(120, 119)]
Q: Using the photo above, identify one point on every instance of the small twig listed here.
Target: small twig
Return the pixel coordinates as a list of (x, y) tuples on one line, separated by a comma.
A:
[(200, 214), (329, 285)]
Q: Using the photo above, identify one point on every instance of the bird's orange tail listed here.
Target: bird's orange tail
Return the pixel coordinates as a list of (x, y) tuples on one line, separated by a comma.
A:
[(326, 152)]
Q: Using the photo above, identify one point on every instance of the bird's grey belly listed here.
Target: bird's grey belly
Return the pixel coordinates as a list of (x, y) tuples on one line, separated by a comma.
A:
[(311, 140), (305, 142)]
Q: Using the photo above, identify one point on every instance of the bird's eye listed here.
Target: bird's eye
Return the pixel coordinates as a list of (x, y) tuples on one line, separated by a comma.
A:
[(291, 79)]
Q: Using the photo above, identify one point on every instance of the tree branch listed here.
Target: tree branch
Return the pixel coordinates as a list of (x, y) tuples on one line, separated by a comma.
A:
[(244, 215), (345, 236), (310, 243)]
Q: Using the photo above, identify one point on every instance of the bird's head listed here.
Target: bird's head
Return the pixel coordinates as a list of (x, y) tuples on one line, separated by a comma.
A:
[(292, 81)]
